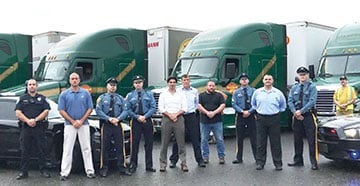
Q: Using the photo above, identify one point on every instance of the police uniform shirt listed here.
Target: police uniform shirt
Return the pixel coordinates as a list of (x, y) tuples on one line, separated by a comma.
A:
[(309, 97), (103, 106), (147, 100), (31, 107), (238, 99)]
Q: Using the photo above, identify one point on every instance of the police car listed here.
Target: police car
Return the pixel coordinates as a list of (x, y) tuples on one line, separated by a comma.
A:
[(339, 138), (10, 132)]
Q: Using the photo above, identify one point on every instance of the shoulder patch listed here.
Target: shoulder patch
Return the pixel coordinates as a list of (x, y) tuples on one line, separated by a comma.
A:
[(98, 100)]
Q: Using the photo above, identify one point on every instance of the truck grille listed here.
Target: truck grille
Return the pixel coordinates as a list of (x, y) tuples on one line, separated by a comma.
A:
[(156, 96), (325, 105)]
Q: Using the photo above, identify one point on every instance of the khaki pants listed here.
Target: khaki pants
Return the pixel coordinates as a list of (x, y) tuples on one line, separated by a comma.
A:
[(167, 128)]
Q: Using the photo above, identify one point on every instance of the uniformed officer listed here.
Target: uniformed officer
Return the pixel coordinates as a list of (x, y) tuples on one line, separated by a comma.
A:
[(301, 101), (245, 117), (141, 106), (32, 110), (111, 108)]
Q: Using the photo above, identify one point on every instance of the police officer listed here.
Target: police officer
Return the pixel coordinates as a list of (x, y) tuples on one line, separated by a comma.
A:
[(111, 108), (141, 106), (32, 110), (301, 101), (245, 117)]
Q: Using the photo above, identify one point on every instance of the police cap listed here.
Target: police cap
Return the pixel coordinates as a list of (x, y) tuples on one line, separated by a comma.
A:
[(112, 80), (244, 76), (138, 77), (302, 70)]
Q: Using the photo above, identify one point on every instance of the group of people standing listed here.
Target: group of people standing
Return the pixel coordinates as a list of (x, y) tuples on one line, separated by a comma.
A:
[(185, 113), (75, 105), (259, 110)]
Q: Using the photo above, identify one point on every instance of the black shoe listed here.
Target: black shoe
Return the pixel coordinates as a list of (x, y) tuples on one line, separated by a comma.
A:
[(103, 172), (237, 161), (91, 176), (259, 167), (201, 164), (172, 164), (22, 175), (296, 164), (125, 172), (63, 178), (314, 167), (45, 174), (278, 167), (132, 169), (150, 169)]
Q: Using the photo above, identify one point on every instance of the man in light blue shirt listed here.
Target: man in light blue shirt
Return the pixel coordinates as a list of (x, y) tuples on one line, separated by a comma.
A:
[(192, 126), (268, 102)]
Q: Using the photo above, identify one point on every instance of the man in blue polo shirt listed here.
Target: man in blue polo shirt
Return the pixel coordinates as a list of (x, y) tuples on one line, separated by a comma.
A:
[(75, 105)]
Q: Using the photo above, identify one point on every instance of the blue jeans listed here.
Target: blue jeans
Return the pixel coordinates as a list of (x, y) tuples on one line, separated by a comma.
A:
[(217, 129)]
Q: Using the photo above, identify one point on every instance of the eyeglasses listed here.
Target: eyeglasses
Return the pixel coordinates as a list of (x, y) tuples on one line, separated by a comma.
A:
[(342, 79)]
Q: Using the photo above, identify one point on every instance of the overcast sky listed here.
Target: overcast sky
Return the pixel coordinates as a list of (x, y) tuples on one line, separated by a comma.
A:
[(79, 16)]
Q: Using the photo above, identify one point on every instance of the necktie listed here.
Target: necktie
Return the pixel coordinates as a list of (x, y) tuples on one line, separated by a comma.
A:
[(111, 109), (301, 95), (140, 111), (246, 98)]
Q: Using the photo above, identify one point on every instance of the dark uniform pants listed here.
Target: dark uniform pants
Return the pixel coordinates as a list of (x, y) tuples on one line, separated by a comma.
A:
[(244, 125), (147, 130), (108, 132), (192, 130), (305, 128), (29, 135), (268, 126)]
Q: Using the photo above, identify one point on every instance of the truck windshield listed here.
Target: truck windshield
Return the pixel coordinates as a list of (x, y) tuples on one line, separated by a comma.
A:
[(196, 68), (54, 70), (339, 65)]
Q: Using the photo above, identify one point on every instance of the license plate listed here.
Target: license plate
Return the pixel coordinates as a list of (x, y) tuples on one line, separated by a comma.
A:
[(323, 147)]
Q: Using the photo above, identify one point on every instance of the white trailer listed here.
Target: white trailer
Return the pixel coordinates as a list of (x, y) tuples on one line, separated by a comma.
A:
[(306, 42), (164, 45), (42, 42)]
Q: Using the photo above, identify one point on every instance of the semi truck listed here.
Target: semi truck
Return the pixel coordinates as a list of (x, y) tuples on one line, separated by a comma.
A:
[(164, 46), (340, 57), (42, 42), (257, 49), (20, 54), (119, 53), (15, 55)]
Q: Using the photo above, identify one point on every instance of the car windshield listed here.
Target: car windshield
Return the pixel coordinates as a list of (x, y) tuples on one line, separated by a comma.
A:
[(54, 70), (196, 68), (7, 110), (339, 65)]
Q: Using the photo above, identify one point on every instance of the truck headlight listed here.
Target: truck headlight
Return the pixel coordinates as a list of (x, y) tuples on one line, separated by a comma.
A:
[(351, 133)]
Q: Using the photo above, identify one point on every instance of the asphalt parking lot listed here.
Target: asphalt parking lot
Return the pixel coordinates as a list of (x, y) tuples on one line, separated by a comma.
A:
[(330, 173)]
